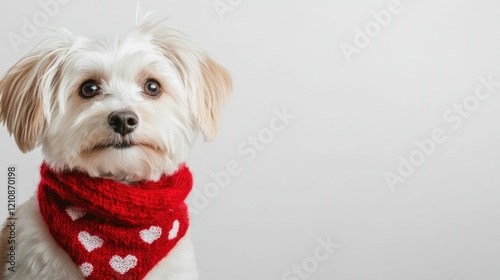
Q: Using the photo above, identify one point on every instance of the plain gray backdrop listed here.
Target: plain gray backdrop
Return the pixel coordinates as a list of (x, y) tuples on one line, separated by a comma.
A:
[(321, 174)]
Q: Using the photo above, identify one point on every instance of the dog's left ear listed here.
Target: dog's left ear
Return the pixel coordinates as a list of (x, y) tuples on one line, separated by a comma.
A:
[(209, 84), (212, 94)]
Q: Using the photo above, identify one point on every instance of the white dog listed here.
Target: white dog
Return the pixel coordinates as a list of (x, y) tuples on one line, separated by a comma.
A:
[(124, 111)]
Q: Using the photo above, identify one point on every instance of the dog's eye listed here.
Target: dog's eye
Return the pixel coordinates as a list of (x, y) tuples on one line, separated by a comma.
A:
[(152, 88), (89, 89)]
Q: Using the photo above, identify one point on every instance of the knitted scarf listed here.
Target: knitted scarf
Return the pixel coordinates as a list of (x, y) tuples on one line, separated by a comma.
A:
[(112, 230)]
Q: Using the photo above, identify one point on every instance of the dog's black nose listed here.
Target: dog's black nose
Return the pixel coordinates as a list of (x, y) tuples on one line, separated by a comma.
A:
[(123, 122)]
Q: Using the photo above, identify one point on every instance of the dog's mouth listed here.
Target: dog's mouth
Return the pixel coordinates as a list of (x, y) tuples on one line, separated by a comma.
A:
[(119, 146)]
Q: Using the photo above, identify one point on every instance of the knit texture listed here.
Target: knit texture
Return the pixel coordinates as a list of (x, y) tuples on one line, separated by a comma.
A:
[(112, 230)]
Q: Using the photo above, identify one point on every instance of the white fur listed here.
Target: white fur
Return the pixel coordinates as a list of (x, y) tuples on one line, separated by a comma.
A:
[(71, 127), (77, 126)]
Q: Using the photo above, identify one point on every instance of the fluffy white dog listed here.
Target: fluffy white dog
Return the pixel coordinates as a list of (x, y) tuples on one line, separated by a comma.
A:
[(124, 109)]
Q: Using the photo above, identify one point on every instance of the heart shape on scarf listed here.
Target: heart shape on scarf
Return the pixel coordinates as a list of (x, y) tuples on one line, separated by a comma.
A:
[(75, 213), (90, 242), (173, 232), (86, 269), (151, 234), (122, 265)]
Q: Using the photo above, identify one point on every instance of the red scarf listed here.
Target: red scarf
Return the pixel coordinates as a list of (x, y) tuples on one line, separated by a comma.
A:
[(112, 230)]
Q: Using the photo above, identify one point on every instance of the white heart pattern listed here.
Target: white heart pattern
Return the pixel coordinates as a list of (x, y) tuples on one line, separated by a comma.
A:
[(151, 234), (86, 269), (122, 265), (90, 242), (75, 213), (173, 232)]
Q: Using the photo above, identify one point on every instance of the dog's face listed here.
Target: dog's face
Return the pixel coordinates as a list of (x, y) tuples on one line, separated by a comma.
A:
[(127, 108)]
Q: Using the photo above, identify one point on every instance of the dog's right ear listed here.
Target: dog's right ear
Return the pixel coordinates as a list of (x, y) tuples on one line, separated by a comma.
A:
[(26, 93)]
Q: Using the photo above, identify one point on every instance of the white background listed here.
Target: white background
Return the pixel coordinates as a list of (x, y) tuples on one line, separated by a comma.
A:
[(323, 175)]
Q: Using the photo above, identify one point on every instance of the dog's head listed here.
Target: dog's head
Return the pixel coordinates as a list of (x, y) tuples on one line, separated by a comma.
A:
[(128, 108)]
